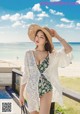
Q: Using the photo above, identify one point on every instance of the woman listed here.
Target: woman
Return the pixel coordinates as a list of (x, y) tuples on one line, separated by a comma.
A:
[(40, 75)]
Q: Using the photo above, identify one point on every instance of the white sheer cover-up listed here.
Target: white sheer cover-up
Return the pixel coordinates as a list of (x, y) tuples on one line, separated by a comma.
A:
[(31, 76)]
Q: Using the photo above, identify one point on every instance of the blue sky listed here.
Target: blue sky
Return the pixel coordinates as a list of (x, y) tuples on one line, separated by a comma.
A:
[(17, 15)]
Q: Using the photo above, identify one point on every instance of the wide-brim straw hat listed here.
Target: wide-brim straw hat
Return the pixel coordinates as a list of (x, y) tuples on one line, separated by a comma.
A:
[(33, 29)]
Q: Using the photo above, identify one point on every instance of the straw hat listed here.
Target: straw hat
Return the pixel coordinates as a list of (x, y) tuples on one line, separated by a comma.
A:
[(32, 31)]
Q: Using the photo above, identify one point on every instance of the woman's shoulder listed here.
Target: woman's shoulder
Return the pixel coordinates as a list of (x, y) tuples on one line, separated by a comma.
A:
[(28, 50), (54, 52)]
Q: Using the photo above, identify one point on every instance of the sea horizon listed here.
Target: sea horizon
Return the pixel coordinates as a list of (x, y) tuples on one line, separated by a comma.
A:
[(32, 42), (16, 50)]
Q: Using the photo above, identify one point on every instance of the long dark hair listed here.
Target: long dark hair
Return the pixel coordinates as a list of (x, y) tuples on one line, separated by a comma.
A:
[(47, 45)]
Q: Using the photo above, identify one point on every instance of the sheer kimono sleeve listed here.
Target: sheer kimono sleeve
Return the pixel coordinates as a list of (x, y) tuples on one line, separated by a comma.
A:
[(25, 71), (64, 59)]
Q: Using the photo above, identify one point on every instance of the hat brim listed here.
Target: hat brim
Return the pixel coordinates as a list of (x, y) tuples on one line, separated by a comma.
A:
[(33, 29)]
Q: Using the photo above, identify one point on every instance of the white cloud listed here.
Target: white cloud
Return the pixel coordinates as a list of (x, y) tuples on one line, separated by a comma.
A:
[(52, 11), (28, 25), (59, 13), (39, 18), (65, 20), (55, 12), (78, 1), (5, 17), (4, 27), (43, 14), (17, 16), (71, 25), (36, 7), (17, 23), (29, 15), (78, 24), (55, 0), (47, 7), (14, 17)]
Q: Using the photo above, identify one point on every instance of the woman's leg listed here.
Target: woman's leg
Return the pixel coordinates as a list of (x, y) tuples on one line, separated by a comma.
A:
[(45, 103)]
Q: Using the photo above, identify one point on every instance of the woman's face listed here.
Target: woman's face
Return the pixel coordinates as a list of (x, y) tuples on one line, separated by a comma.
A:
[(40, 38)]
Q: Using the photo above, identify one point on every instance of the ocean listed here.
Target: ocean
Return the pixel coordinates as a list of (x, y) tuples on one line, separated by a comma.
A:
[(16, 51)]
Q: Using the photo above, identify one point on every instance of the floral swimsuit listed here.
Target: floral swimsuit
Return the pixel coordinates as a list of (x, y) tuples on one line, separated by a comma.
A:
[(44, 85)]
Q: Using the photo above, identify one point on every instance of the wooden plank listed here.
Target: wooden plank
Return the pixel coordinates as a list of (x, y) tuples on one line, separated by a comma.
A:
[(71, 94), (8, 69), (17, 71)]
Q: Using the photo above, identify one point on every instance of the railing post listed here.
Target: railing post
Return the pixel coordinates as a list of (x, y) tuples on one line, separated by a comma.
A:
[(13, 80), (52, 108)]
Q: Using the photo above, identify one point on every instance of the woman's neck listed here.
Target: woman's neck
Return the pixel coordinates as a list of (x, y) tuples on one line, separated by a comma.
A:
[(40, 48)]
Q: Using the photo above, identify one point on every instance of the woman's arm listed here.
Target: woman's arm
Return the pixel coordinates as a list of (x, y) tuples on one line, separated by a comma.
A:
[(22, 89), (24, 78), (66, 46), (21, 97)]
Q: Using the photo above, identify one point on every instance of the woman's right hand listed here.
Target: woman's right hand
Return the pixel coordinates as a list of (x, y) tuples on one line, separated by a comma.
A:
[(21, 100)]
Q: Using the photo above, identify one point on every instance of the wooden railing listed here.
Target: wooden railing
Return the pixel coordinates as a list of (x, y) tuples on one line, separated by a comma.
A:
[(66, 92)]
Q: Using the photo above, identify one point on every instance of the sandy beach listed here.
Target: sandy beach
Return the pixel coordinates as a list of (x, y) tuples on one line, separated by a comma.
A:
[(73, 70), (10, 63)]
